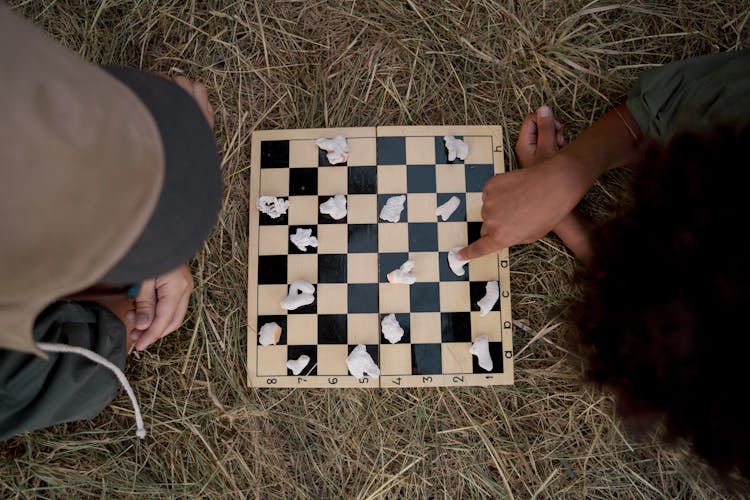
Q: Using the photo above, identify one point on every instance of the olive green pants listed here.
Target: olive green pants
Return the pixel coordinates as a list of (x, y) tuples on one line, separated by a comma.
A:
[(37, 393)]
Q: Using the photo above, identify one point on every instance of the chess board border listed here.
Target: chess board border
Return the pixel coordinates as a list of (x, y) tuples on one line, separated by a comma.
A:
[(322, 381)]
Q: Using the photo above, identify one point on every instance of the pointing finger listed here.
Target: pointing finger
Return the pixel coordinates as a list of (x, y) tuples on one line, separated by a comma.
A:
[(483, 246)]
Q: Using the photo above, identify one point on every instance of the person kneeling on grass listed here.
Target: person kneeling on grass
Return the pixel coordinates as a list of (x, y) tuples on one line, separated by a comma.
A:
[(110, 183), (667, 281)]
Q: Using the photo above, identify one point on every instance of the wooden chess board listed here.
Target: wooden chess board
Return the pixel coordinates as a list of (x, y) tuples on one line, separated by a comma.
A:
[(348, 269)]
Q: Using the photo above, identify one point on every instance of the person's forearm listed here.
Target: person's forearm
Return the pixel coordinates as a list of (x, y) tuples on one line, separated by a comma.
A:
[(523, 205), (612, 141), (575, 232)]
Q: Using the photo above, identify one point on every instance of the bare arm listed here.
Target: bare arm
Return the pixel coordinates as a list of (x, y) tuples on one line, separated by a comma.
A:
[(575, 231), (524, 205)]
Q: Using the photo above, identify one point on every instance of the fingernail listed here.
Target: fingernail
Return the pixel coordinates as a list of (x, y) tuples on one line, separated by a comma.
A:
[(134, 335), (142, 318), (130, 316), (545, 111)]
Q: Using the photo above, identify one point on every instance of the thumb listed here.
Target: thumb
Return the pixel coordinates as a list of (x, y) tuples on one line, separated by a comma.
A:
[(483, 246), (547, 133), (145, 305)]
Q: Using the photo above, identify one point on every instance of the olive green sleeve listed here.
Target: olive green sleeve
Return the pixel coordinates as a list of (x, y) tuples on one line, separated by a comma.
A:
[(693, 94), (37, 393)]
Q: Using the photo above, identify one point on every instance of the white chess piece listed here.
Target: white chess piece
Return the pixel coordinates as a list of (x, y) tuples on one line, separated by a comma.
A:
[(481, 349), (456, 264), (300, 294), (303, 238), (269, 334), (456, 148), (335, 207), (299, 364), (445, 210), (403, 274), (392, 330), (393, 207), (360, 363), (337, 149)]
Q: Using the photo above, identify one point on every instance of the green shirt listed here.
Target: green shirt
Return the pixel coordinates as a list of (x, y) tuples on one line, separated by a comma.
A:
[(694, 94)]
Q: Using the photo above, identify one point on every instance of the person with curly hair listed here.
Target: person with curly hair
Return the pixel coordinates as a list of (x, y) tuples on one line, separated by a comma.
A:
[(667, 281)]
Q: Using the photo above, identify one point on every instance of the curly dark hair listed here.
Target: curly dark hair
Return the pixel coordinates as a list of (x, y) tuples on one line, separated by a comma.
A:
[(667, 299)]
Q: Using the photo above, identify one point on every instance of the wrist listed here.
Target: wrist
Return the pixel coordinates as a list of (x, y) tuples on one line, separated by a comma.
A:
[(575, 232), (611, 142)]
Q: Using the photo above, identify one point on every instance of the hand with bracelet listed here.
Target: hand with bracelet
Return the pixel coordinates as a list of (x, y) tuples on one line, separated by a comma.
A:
[(524, 205)]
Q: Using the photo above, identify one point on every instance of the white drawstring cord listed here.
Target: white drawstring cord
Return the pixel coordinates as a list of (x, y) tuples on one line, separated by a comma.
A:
[(48, 347)]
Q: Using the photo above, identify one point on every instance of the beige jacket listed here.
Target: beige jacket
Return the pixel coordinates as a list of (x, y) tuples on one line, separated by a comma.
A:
[(81, 169)]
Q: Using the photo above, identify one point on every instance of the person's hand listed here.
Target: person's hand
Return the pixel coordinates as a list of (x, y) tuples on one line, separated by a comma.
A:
[(524, 205), (198, 92), (539, 141), (540, 138), (160, 307)]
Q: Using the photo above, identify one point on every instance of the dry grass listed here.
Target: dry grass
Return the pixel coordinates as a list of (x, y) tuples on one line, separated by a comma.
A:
[(296, 64)]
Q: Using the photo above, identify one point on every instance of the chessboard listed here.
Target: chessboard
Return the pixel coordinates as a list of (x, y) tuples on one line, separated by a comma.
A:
[(439, 313)]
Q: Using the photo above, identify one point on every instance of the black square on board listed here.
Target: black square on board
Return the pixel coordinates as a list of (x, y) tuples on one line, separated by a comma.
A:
[(323, 160), (362, 180), (303, 181), (274, 154), (332, 329), (295, 351), (474, 231), (267, 220), (372, 350), (441, 152), (446, 273), (332, 268), (272, 269), (477, 176), (423, 237), (424, 297), (496, 353), (279, 320), (325, 218), (391, 150), (293, 248), (404, 320), (383, 199), (477, 290), (363, 238), (460, 213), (421, 179), (426, 359), (455, 327), (387, 262), (362, 297)]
